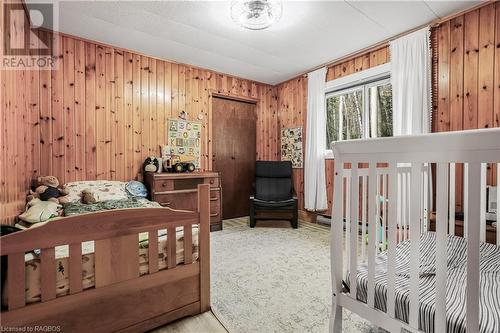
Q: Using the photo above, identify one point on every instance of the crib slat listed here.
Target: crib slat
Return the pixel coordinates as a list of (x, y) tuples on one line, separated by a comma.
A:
[(425, 198), (392, 224), (399, 205), (364, 190), (16, 280), (48, 274), (188, 244), (451, 222), (498, 204), (482, 216), (473, 237), (348, 218), (354, 229), (466, 199), (377, 212), (415, 195), (404, 207), (441, 246), (336, 246), (384, 207), (372, 244), (153, 251), (171, 247), (75, 268)]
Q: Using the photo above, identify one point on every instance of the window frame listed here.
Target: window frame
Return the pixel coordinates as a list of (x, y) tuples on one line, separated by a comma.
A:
[(365, 79)]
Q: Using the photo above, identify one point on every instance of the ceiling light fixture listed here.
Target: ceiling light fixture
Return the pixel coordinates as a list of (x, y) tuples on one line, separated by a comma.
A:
[(256, 14)]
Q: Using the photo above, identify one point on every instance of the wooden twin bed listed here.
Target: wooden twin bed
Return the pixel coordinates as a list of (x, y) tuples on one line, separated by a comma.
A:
[(121, 299)]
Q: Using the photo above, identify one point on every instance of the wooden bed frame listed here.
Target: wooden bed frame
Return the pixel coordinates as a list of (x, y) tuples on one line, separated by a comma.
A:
[(121, 299)]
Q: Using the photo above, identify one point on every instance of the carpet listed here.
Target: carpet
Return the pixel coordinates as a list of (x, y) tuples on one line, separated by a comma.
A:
[(274, 278)]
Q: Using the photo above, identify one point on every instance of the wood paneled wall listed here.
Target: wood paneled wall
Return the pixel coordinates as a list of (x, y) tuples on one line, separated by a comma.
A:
[(103, 111), (468, 76), (292, 101)]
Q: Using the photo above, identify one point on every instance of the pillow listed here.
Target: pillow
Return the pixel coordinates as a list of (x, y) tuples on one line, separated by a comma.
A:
[(103, 189), (136, 189), (40, 211)]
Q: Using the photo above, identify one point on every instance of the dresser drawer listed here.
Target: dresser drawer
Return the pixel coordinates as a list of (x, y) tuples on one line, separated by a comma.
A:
[(183, 201), (162, 185)]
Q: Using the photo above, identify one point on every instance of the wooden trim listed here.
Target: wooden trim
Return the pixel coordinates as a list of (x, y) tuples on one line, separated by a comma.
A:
[(234, 97), (307, 216)]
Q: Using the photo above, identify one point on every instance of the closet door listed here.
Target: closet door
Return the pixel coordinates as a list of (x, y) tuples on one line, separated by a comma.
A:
[(234, 151)]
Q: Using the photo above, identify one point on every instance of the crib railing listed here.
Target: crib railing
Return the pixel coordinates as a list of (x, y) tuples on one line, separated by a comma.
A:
[(381, 211), (387, 205)]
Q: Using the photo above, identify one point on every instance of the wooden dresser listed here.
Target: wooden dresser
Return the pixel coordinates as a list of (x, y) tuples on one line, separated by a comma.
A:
[(179, 191)]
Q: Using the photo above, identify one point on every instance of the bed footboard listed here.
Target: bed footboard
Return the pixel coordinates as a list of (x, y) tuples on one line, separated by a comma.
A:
[(121, 299), (386, 265)]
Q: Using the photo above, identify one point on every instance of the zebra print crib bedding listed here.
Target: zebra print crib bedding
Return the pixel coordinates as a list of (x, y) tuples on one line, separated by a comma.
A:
[(489, 310)]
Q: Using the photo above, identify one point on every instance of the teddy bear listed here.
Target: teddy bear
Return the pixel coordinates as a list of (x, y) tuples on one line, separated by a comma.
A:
[(88, 197), (48, 190)]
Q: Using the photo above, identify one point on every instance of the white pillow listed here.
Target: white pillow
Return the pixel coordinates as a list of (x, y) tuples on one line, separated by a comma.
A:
[(40, 211), (103, 190)]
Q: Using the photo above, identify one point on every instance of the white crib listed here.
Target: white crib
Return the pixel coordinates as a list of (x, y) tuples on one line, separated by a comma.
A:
[(382, 188)]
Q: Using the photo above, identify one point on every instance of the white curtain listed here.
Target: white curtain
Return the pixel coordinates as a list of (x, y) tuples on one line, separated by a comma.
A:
[(411, 59), (411, 83), (314, 169)]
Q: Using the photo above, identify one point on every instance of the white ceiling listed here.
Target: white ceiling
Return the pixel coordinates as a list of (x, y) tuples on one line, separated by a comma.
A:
[(201, 33)]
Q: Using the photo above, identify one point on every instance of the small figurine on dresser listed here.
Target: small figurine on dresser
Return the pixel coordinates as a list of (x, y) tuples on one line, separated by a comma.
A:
[(152, 164)]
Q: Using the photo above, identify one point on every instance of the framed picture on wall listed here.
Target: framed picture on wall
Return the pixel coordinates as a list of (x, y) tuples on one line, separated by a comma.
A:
[(184, 140), (291, 146)]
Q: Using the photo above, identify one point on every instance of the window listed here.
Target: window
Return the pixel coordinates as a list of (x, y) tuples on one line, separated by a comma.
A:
[(362, 111)]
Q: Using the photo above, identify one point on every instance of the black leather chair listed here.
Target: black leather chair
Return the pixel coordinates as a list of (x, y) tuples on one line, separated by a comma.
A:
[(273, 192)]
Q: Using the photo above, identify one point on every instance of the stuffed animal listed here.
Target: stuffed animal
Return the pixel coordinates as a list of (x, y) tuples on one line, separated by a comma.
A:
[(48, 190), (151, 164), (88, 197)]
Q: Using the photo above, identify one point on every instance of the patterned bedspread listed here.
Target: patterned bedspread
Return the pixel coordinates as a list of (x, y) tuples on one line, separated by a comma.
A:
[(78, 208), (489, 297)]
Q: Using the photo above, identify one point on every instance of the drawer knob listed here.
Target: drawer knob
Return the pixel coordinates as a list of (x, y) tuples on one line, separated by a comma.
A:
[(211, 181)]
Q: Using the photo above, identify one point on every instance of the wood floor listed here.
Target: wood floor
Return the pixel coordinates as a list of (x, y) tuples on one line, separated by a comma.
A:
[(202, 323)]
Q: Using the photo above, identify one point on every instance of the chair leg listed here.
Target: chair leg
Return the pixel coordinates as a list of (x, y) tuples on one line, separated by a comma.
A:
[(252, 215), (295, 219)]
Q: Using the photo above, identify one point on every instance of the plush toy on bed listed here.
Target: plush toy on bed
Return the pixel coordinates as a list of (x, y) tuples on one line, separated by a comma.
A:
[(88, 197), (48, 190)]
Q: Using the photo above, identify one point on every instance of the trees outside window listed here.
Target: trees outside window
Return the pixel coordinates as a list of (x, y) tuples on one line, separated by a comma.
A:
[(363, 111)]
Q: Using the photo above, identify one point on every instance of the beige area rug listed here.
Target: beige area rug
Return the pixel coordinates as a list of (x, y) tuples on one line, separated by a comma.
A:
[(274, 278)]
